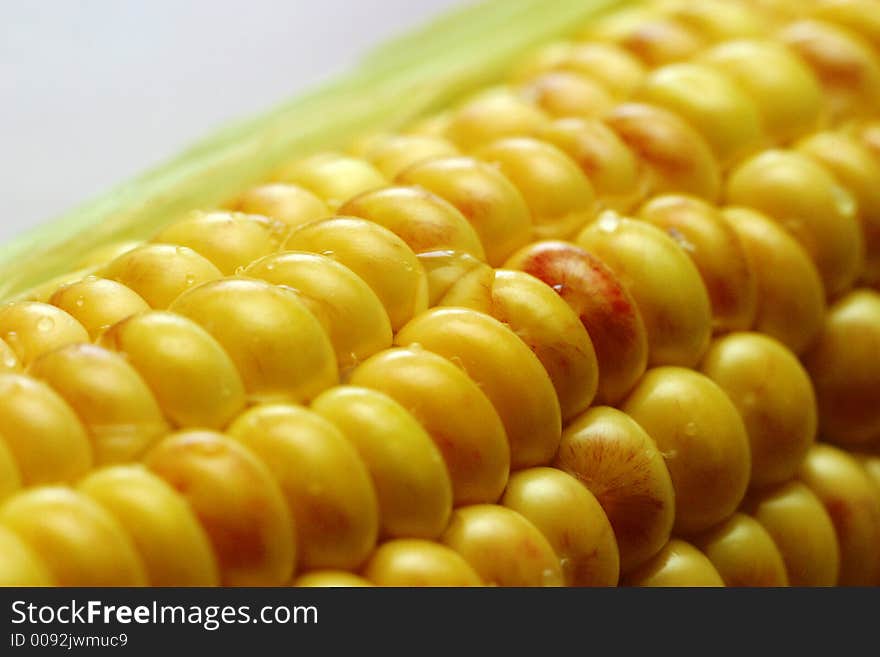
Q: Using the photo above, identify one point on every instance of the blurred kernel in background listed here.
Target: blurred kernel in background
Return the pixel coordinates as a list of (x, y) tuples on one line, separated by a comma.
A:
[(97, 91)]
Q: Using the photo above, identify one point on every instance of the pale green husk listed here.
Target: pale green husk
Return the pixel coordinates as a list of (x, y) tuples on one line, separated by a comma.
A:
[(407, 78)]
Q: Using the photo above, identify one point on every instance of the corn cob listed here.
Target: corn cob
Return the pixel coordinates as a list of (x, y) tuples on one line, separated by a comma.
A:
[(388, 364)]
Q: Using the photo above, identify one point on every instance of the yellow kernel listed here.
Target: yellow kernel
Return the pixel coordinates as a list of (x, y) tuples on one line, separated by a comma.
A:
[(845, 371), (566, 93), (502, 547), (702, 438), (414, 562), (605, 308), (710, 102), (472, 439), (802, 530), (558, 194), (505, 369), (230, 240), (160, 273), (279, 348), (787, 94), (743, 553), (237, 502), (610, 454), (325, 483), (571, 519), (664, 282), (713, 246), (349, 310), (808, 202), (774, 396), (333, 177), (850, 498), (32, 329), (97, 303), (44, 435), (330, 579), (413, 488), (609, 164), (292, 205), (20, 565), (423, 220), (543, 321), (487, 199), (678, 564), (111, 399), (612, 66), (846, 65), (376, 255), (80, 542), (856, 169), (391, 154), (675, 157), (493, 114), (174, 547), (191, 376), (790, 297)]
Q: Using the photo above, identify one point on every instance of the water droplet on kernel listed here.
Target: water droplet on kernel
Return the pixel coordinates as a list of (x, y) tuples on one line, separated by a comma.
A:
[(608, 221), (239, 270), (190, 280), (559, 287), (80, 302), (45, 324), (329, 254), (690, 429)]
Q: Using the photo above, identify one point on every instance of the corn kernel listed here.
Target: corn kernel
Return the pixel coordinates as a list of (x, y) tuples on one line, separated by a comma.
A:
[(333, 177), (32, 329), (674, 156), (292, 205), (191, 376), (807, 201), (743, 553), (413, 562), (352, 315), (277, 345), (544, 322), (610, 454), (790, 297), (98, 303), (487, 199), (173, 546), (853, 505), (774, 396), (605, 308), (713, 246), (230, 240), (111, 399), (472, 440), (80, 542), (505, 369), (412, 486), (802, 530), (160, 273), (678, 564), (558, 195), (702, 438), (502, 547), (376, 255), (237, 502), (674, 304), (571, 519), (44, 435)]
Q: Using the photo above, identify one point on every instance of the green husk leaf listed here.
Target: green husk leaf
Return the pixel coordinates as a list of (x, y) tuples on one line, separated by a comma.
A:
[(405, 79)]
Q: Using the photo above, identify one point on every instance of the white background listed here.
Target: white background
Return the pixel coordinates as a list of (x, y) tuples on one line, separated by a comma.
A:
[(95, 91)]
